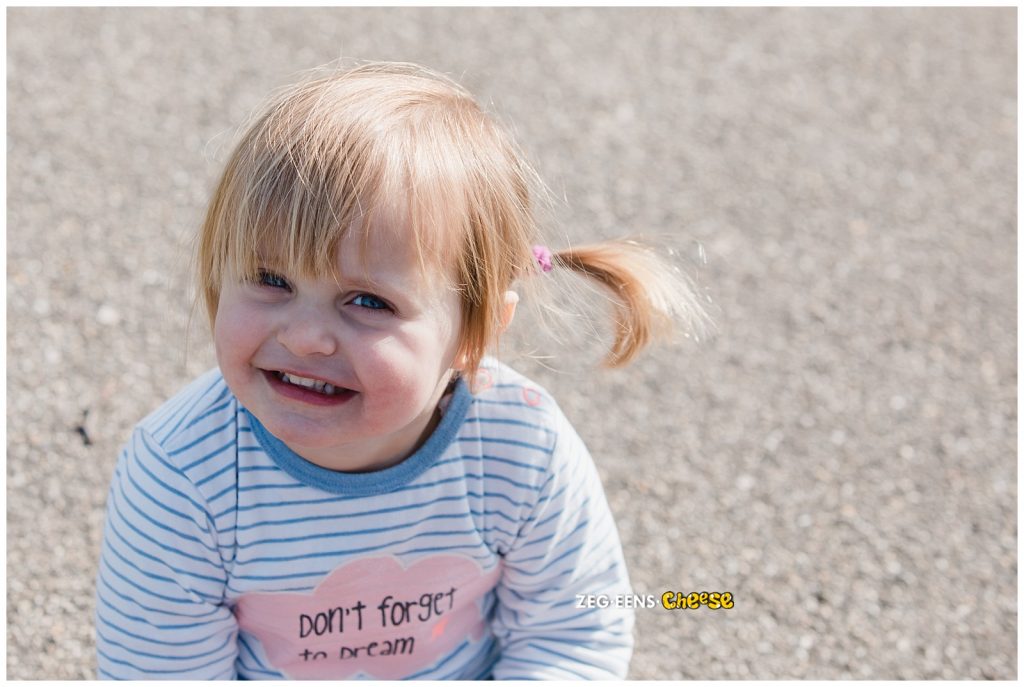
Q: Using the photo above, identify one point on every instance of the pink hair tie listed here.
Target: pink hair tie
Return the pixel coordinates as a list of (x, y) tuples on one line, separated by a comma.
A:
[(543, 256)]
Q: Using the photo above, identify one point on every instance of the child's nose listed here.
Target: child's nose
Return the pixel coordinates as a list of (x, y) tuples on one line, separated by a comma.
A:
[(307, 333)]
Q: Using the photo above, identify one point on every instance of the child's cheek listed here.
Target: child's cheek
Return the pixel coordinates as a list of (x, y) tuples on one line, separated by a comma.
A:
[(238, 331), (400, 377), (386, 369)]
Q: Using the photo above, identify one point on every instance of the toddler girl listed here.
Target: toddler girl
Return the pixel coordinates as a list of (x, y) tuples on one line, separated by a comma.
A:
[(356, 490)]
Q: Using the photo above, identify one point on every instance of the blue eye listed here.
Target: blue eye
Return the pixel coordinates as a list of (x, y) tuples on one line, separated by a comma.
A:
[(272, 280), (371, 302)]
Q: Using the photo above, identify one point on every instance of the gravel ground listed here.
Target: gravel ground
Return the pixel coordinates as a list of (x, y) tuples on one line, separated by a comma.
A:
[(841, 456)]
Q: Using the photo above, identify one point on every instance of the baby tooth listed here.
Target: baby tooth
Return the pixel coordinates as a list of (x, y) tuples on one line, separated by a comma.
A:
[(314, 384)]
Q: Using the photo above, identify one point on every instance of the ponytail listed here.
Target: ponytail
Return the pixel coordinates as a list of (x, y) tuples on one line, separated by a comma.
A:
[(652, 297)]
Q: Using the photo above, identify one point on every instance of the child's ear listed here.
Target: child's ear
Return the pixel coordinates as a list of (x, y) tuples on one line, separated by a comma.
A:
[(508, 312), (511, 301)]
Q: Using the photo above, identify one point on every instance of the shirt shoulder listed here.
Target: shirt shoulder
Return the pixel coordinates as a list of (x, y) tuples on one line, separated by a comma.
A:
[(196, 430), (190, 403), (499, 386), (512, 423)]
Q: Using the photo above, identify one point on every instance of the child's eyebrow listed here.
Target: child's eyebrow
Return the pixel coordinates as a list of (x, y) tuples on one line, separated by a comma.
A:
[(382, 281), (366, 283)]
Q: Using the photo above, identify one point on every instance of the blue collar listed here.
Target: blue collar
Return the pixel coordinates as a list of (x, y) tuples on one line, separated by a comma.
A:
[(369, 483)]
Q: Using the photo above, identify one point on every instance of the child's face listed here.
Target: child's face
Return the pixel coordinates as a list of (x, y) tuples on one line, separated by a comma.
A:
[(387, 350)]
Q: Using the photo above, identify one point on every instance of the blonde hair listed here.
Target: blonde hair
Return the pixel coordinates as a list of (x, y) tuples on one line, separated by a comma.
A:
[(342, 148)]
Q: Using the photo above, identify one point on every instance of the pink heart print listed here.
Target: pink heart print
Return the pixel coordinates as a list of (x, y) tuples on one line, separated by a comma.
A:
[(371, 616)]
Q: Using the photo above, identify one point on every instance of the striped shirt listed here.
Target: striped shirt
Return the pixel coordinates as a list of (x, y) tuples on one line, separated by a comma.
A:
[(226, 555)]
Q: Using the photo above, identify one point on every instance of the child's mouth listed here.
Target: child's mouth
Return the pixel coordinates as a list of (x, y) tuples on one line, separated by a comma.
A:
[(307, 389), (317, 385)]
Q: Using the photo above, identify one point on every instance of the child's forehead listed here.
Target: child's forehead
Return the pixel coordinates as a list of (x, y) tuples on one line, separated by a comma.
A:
[(382, 257)]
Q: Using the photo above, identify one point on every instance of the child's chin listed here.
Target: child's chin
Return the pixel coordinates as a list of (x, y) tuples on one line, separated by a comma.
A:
[(302, 435)]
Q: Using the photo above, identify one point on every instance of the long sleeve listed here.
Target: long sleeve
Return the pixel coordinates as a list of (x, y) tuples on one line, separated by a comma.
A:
[(568, 546), (161, 581)]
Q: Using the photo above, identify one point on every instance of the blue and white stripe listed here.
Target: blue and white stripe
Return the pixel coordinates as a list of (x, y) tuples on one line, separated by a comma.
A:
[(206, 506)]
